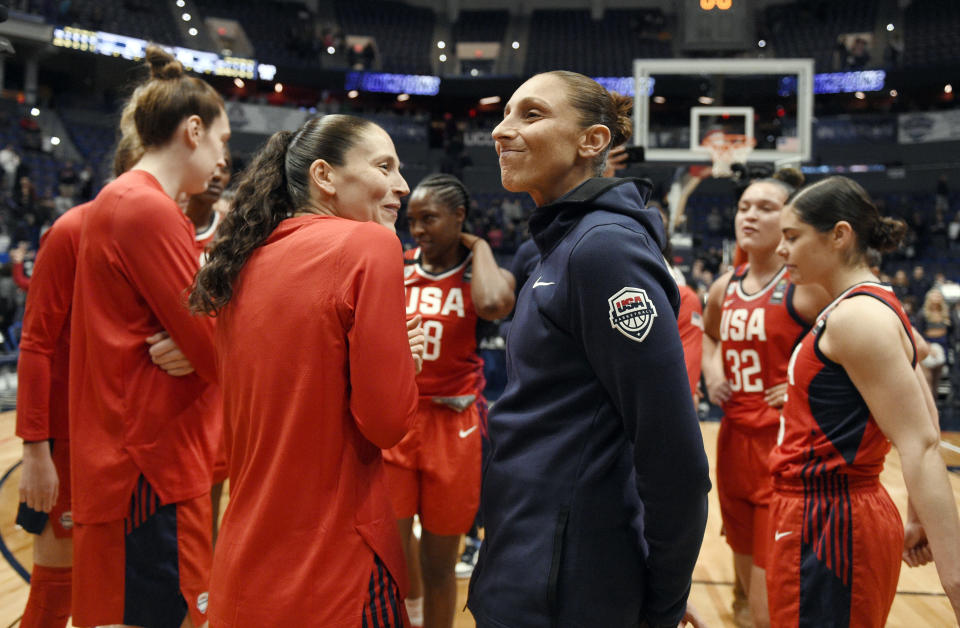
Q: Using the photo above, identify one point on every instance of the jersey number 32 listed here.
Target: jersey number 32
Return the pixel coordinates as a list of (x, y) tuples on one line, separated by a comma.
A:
[(744, 368)]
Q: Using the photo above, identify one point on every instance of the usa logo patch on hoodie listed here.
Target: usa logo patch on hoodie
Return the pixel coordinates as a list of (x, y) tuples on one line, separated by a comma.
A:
[(632, 313)]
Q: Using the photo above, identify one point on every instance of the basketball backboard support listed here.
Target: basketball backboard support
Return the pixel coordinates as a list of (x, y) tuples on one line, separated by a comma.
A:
[(678, 101)]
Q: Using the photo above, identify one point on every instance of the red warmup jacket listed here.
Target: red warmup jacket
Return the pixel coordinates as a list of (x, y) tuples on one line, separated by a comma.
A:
[(313, 353), (137, 257), (44, 365)]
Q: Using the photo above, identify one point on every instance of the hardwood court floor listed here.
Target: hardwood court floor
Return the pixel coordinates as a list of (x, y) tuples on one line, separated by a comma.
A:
[(919, 602)]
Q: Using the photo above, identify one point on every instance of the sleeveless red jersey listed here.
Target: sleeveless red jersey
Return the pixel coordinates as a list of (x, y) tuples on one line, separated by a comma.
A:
[(690, 324), (826, 426), (205, 236), (451, 365), (757, 334)]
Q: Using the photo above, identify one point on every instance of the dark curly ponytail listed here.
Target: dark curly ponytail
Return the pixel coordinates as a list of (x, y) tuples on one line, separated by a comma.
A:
[(260, 204)]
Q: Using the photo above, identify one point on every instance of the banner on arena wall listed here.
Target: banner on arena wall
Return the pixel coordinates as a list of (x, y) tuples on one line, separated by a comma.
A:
[(478, 138), (856, 130), (264, 119), (934, 126)]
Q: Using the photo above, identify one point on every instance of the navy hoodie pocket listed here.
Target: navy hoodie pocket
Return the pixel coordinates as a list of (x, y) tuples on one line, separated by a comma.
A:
[(556, 558)]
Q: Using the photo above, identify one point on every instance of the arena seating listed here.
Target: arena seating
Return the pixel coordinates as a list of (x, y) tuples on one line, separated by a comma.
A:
[(481, 26), (931, 32), (139, 18), (286, 33), (803, 29), (404, 33), (571, 39), (281, 32), (94, 141)]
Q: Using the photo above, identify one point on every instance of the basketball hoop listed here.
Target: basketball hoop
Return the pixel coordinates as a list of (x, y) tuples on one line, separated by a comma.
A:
[(727, 149)]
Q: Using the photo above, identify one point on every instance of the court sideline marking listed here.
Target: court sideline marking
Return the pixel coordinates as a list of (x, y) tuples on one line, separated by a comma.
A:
[(950, 446)]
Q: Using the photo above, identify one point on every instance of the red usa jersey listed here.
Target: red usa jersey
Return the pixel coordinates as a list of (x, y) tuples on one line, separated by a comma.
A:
[(690, 325), (451, 365), (826, 425), (205, 236), (757, 333)]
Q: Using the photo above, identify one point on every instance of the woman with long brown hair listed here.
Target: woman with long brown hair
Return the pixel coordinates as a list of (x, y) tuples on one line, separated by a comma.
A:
[(317, 378)]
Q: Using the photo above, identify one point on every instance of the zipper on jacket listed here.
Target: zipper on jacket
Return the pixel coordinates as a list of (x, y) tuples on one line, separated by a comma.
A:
[(552, 582)]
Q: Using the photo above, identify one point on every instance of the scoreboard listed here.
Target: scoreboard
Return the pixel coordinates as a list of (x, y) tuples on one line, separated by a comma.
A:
[(134, 49), (720, 5), (717, 25)]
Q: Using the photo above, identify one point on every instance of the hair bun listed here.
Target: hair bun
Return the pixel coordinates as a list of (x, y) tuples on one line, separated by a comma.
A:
[(162, 64), (790, 176), (623, 105), (888, 234)]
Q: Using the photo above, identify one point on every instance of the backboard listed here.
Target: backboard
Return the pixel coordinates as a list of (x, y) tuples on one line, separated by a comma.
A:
[(678, 102)]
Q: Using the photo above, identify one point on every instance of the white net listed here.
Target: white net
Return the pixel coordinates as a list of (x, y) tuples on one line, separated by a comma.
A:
[(727, 149)]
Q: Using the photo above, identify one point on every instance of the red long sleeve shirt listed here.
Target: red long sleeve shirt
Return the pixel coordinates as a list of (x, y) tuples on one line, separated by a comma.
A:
[(136, 259), (44, 365), (317, 374), (19, 277)]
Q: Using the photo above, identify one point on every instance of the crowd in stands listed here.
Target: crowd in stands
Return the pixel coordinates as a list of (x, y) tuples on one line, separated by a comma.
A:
[(35, 189)]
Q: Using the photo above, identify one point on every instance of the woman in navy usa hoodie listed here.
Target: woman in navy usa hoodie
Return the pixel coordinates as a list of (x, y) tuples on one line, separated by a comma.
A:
[(595, 492)]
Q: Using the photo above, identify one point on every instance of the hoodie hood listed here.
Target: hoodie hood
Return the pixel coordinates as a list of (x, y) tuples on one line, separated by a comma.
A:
[(627, 196)]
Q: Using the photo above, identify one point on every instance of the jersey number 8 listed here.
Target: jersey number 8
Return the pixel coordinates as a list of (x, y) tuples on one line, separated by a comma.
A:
[(433, 331)]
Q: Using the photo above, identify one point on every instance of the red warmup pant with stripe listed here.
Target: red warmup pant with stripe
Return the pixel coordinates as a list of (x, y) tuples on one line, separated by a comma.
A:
[(384, 607), (834, 555)]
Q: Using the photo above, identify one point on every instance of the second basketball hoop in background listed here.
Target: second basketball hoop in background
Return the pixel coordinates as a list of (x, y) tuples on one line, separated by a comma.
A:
[(727, 149)]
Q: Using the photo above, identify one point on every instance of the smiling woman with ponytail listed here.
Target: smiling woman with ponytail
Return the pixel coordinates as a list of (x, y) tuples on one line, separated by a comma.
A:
[(307, 288), (595, 493)]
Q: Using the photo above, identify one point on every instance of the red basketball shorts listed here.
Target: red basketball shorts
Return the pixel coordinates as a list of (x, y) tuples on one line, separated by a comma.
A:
[(744, 487), (435, 470), (835, 554), (149, 569)]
